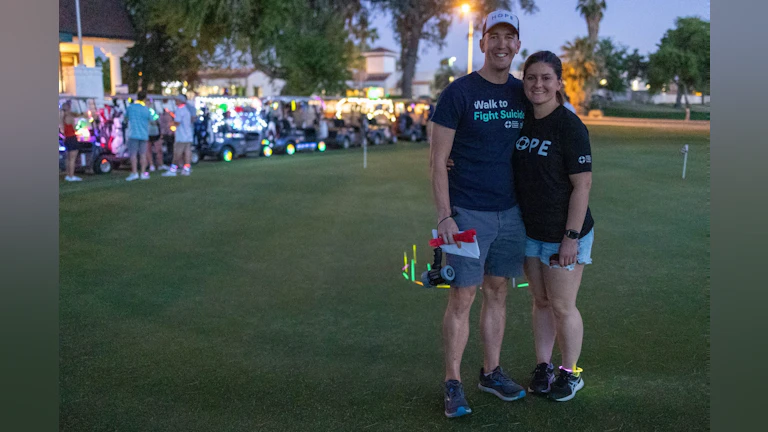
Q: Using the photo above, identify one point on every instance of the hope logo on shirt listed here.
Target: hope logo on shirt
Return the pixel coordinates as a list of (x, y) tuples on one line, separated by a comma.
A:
[(526, 143)]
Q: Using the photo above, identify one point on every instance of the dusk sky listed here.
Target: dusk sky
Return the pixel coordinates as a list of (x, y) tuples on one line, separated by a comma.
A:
[(635, 23)]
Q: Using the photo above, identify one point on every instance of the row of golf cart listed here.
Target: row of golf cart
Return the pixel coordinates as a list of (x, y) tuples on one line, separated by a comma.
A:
[(227, 127)]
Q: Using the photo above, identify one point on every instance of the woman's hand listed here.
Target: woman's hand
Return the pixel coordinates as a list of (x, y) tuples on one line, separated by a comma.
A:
[(449, 164), (569, 248)]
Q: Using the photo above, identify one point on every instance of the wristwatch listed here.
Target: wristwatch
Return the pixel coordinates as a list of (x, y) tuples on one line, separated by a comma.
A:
[(572, 234)]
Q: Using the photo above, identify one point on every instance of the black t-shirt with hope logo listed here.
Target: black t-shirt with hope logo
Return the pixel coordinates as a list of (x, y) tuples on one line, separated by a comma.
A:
[(487, 118), (548, 151)]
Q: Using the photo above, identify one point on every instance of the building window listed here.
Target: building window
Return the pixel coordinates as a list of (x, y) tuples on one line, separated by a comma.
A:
[(69, 59), (258, 92)]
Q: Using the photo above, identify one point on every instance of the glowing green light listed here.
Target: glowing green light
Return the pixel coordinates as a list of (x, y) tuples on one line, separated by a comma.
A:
[(405, 275), (290, 149), (429, 267), (413, 272), (267, 151), (522, 285), (321, 146), (223, 107)]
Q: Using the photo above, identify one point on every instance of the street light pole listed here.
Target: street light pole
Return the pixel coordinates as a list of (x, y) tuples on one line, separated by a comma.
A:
[(79, 30), (467, 10), (469, 46)]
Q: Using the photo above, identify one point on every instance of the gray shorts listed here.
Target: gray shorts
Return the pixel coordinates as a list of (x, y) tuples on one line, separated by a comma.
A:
[(501, 239), (137, 146)]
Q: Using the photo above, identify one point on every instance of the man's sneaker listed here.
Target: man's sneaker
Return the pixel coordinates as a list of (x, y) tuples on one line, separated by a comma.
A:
[(145, 176), (501, 385), (169, 173), (151, 168), (543, 376), (132, 177), (566, 385), (163, 167), (455, 403), (186, 172), (72, 179)]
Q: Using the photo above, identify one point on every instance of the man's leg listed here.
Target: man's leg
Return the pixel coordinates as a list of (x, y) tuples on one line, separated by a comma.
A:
[(143, 159), (493, 318), (159, 153), (133, 162), (456, 329)]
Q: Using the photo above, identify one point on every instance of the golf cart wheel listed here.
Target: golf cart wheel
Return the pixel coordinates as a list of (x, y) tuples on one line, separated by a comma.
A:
[(290, 149), (376, 139), (413, 137), (266, 151), (447, 273), (102, 165), (227, 154), (195, 157), (346, 143)]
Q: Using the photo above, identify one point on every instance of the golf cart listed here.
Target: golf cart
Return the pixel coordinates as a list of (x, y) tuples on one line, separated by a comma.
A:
[(89, 126), (229, 127)]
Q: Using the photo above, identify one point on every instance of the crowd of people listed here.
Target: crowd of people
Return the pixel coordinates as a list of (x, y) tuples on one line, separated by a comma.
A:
[(509, 159), (147, 133)]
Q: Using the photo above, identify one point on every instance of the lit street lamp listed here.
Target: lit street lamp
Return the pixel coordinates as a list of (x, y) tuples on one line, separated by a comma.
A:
[(467, 10)]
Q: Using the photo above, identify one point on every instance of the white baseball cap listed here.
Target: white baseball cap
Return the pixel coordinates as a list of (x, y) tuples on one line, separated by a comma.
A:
[(501, 17)]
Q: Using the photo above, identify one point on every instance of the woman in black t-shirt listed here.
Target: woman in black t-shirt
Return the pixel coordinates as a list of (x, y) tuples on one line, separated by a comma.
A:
[(552, 164)]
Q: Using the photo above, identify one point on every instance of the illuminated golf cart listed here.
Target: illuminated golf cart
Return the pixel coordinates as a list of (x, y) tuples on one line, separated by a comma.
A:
[(351, 116), (229, 127), (94, 155), (412, 117), (293, 125)]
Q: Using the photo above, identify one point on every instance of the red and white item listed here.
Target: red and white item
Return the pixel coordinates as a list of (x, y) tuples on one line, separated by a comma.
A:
[(468, 239)]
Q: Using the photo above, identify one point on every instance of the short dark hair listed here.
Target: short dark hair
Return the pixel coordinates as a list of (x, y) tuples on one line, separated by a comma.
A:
[(141, 95), (552, 60)]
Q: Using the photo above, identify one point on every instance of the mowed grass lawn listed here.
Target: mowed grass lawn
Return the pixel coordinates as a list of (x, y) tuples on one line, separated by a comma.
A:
[(267, 294)]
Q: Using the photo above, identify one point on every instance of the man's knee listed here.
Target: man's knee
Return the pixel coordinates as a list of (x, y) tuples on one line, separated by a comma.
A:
[(460, 300), (540, 301)]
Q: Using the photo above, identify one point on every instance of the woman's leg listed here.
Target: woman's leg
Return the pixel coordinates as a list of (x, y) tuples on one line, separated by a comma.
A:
[(562, 287), (542, 318)]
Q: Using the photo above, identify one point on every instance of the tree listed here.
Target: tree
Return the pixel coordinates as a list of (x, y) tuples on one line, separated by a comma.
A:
[(429, 21), (611, 59), (158, 54), (636, 66), (311, 44), (683, 57), (580, 68), (106, 69), (592, 11), (445, 75), (522, 56)]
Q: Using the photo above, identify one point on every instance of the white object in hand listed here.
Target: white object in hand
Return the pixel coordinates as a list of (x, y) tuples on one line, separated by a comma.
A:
[(471, 250)]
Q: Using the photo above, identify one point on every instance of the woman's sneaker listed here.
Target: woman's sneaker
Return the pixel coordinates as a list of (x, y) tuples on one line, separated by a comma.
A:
[(566, 385), (543, 376), (501, 385), (455, 403)]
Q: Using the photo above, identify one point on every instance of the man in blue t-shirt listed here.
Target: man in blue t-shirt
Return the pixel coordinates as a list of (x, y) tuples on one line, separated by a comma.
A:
[(138, 117), (476, 123)]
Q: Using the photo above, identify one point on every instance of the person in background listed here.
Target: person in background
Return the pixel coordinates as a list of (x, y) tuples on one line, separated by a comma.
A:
[(138, 117), (165, 122), (184, 136), (155, 144), (67, 120)]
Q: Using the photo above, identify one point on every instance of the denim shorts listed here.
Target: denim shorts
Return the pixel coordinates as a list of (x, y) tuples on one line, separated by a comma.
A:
[(544, 250), (501, 240), (137, 146)]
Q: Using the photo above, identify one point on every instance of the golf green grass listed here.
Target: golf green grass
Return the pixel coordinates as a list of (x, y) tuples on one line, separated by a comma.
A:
[(651, 111), (267, 295)]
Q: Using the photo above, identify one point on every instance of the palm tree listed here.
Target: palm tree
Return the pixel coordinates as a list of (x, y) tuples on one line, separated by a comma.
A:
[(592, 11), (580, 68)]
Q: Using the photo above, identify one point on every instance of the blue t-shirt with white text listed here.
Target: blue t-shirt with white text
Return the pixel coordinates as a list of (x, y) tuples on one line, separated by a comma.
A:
[(487, 118)]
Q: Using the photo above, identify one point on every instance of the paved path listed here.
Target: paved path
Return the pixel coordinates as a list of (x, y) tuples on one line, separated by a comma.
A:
[(649, 123)]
